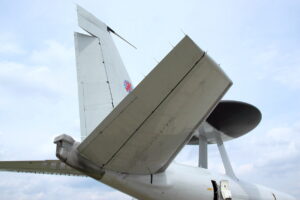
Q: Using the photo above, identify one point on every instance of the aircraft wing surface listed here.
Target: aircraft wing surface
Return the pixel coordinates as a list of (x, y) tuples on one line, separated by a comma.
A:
[(39, 167), (144, 133)]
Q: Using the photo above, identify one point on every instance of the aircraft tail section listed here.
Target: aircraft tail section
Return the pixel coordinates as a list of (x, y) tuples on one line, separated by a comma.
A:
[(102, 78)]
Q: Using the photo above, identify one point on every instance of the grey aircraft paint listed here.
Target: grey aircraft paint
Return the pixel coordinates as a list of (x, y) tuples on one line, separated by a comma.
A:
[(130, 139)]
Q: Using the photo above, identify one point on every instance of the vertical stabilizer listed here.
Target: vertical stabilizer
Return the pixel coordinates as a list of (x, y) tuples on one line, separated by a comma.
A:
[(102, 78)]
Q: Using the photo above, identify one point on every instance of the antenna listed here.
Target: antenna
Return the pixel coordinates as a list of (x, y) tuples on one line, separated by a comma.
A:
[(111, 30), (182, 31)]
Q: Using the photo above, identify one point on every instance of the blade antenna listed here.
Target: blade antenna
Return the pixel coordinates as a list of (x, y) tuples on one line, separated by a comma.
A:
[(111, 30)]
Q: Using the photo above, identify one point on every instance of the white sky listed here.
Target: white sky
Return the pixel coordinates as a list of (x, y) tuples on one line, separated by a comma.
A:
[(256, 42)]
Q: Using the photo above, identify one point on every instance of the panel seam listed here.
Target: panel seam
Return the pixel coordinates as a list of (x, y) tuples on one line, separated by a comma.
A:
[(106, 73)]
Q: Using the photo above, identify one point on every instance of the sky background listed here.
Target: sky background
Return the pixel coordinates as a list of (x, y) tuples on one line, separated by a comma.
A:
[(256, 42)]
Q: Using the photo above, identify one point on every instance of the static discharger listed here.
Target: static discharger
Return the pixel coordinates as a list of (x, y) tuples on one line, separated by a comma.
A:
[(112, 31)]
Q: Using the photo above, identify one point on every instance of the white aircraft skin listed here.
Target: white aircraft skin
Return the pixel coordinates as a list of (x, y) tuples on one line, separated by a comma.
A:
[(185, 182), (109, 106)]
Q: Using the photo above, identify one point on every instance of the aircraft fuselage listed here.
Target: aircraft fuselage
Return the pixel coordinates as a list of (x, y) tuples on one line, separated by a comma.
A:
[(185, 182)]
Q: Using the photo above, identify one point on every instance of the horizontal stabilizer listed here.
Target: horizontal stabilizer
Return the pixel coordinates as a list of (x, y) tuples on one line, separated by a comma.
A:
[(54, 167), (144, 133)]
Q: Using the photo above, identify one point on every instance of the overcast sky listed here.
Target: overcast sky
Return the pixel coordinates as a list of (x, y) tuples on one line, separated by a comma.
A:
[(256, 42)]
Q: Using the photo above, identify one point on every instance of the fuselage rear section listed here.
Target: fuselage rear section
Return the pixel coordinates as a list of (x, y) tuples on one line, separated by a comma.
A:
[(184, 182)]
